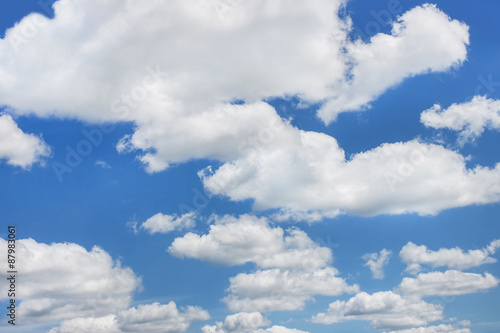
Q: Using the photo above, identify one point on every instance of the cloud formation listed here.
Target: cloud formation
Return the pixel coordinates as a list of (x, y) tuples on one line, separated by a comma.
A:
[(385, 310), (153, 317), (162, 223), (449, 283), (415, 256), (293, 268), (64, 280), (470, 119), (377, 261), (18, 148), (246, 322)]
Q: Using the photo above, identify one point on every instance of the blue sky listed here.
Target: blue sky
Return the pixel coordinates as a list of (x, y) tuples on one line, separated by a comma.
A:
[(232, 166)]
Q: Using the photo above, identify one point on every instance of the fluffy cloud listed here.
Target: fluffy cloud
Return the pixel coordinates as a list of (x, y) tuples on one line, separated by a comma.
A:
[(246, 322), (64, 280), (293, 267), (174, 77), (243, 322), (235, 241), (161, 223), (377, 261), (307, 171), (449, 283), (435, 329), (470, 118), (277, 289), (385, 310), (144, 318), (423, 39), (415, 256), (18, 148)]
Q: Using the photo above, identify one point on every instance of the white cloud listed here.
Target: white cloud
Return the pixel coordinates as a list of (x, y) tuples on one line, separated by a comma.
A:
[(243, 322), (277, 289), (307, 171), (246, 322), (293, 267), (153, 317), (174, 77), (449, 283), (238, 240), (415, 256), (102, 164), (64, 280), (377, 261), (435, 329), (385, 311), (18, 148), (469, 118), (161, 223), (423, 39)]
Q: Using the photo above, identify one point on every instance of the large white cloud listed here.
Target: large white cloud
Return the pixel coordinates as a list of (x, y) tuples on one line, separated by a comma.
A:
[(64, 280), (385, 310), (415, 256), (18, 148), (153, 317), (469, 118), (449, 283), (309, 172), (173, 76), (423, 39)]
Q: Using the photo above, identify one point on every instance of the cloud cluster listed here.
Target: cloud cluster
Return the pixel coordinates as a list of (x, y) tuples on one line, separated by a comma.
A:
[(414, 256), (470, 119), (153, 317), (385, 310), (404, 310), (18, 148), (246, 322), (64, 280), (292, 268)]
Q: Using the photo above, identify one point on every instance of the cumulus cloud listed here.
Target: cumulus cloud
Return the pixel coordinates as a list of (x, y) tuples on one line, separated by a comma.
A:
[(308, 171), (153, 317), (377, 261), (423, 39), (385, 311), (449, 283), (470, 119), (162, 223), (415, 256), (293, 268), (18, 148), (64, 280), (277, 289), (238, 240), (175, 77), (437, 329), (246, 322)]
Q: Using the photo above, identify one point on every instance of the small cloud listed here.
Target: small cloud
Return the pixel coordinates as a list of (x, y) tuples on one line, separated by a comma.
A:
[(376, 262), (102, 164)]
